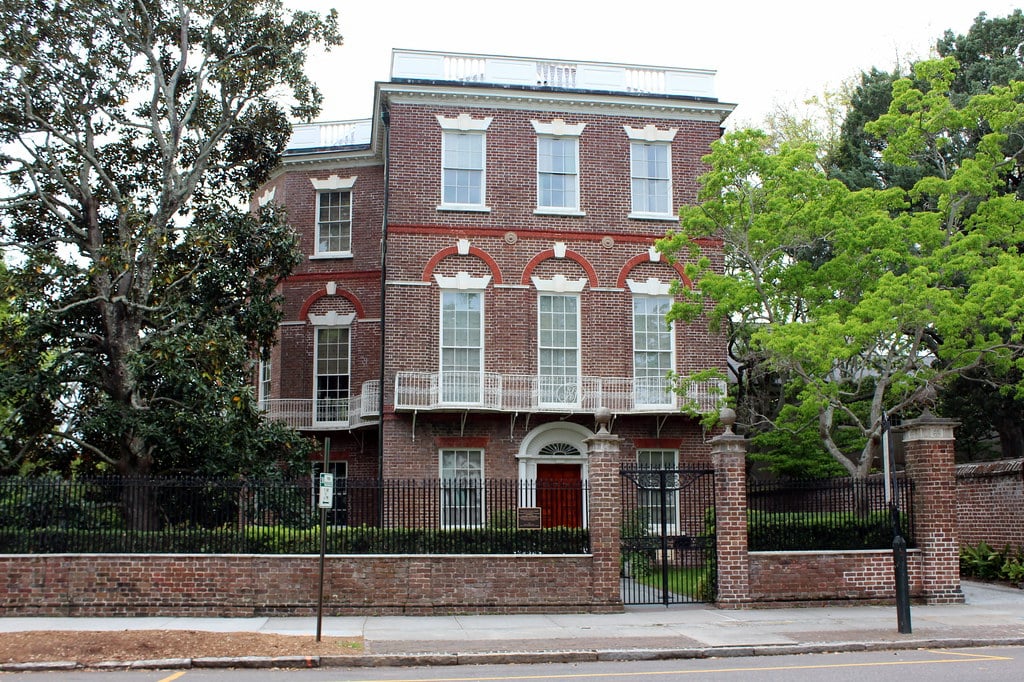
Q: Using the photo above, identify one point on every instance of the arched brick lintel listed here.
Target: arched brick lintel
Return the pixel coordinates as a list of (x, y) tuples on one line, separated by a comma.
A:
[(316, 296), (428, 271), (633, 262), (571, 255)]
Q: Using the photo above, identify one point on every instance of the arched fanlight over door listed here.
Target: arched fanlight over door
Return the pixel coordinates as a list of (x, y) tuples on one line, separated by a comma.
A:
[(559, 450)]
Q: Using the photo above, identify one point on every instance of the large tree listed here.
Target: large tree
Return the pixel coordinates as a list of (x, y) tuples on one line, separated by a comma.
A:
[(133, 132), (863, 300), (991, 53)]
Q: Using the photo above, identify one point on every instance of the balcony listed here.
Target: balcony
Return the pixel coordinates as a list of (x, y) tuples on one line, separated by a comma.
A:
[(416, 65), (309, 414), (490, 392)]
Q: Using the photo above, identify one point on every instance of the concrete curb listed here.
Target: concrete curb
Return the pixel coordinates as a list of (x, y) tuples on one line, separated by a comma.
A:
[(520, 657)]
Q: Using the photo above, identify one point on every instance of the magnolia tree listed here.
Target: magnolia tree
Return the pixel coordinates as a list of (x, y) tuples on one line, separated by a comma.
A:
[(861, 301), (140, 285)]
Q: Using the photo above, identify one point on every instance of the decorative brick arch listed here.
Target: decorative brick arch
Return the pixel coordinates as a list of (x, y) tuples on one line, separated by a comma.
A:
[(571, 255), (428, 272), (646, 258), (351, 298)]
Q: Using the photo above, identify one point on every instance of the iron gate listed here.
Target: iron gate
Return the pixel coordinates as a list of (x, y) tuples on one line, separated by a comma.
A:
[(668, 536)]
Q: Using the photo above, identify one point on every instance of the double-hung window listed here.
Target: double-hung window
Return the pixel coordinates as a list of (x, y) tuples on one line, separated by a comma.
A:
[(463, 172), (462, 487), (333, 238), (265, 385), (558, 167), (334, 222), (558, 349), (558, 177), (462, 346), (332, 373), (659, 489), (650, 172), (463, 163), (653, 351)]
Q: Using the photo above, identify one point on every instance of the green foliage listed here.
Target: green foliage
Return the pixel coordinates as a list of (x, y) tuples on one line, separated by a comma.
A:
[(989, 55), (798, 531), (134, 132), (985, 563), (858, 301), (186, 538)]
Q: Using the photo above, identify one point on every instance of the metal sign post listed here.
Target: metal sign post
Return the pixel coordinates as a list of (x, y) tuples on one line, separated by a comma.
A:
[(899, 544), (325, 501)]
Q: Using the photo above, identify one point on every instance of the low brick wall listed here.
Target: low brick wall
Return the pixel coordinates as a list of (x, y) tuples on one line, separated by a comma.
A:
[(990, 503), (787, 577), (257, 585)]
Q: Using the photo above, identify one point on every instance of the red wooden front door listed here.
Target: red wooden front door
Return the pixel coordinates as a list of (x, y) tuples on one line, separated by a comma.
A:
[(560, 495)]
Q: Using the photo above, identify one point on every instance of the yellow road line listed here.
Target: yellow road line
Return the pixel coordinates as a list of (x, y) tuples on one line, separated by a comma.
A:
[(174, 676), (966, 658)]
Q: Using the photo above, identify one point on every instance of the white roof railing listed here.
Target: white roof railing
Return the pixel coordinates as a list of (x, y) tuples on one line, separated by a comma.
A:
[(571, 75), (330, 134)]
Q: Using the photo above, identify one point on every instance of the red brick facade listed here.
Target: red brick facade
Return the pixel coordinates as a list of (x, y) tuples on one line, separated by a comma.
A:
[(395, 181)]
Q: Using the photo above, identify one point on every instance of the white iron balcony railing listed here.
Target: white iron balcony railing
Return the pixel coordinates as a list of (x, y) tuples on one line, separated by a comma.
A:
[(420, 65), (489, 391), (327, 414)]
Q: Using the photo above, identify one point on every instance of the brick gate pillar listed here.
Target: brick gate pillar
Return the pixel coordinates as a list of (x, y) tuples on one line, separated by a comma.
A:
[(729, 457), (605, 516), (928, 446)]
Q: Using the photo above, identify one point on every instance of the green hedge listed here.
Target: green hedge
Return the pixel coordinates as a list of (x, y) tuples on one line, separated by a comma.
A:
[(282, 540), (819, 532)]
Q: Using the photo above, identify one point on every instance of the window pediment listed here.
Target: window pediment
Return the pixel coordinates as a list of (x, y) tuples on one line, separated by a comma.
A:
[(332, 319), (333, 183), (463, 281)]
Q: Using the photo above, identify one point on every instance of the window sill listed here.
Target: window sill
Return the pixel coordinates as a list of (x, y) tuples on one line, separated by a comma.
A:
[(468, 208), (571, 212), (653, 216), (331, 255)]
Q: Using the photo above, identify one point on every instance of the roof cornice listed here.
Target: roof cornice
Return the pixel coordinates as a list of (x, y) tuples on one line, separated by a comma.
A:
[(554, 99)]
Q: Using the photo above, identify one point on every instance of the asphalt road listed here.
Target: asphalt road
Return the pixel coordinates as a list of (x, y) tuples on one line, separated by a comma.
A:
[(951, 665)]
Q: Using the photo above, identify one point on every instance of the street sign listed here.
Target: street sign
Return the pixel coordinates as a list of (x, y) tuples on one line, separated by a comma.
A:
[(326, 499)]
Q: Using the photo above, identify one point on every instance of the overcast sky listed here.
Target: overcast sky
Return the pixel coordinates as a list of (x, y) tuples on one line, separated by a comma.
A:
[(764, 52)]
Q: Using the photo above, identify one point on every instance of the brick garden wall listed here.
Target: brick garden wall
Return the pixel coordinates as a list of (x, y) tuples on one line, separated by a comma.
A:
[(990, 503), (828, 576), (248, 585)]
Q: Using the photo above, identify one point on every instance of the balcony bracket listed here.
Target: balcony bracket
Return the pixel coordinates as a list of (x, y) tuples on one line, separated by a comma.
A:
[(660, 422), (414, 413), (512, 426), (462, 425)]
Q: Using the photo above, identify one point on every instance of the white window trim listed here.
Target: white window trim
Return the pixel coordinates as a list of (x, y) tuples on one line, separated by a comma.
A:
[(266, 383), (331, 320), (560, 284), (482, 489), (558, 128), (333, 184), (462, 280), (670, 528), (652, 135), (653, 289), (464, 123), (579, 346)]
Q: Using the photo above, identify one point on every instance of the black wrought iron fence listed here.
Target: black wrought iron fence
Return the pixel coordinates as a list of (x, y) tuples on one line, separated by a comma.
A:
[(199, 515), (826, 514)]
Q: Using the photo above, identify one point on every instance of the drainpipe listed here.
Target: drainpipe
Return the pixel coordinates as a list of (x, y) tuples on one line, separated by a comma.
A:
[(385, 117)]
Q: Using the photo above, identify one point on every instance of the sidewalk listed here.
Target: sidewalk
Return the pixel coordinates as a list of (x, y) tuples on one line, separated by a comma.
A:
[(992, 615)]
